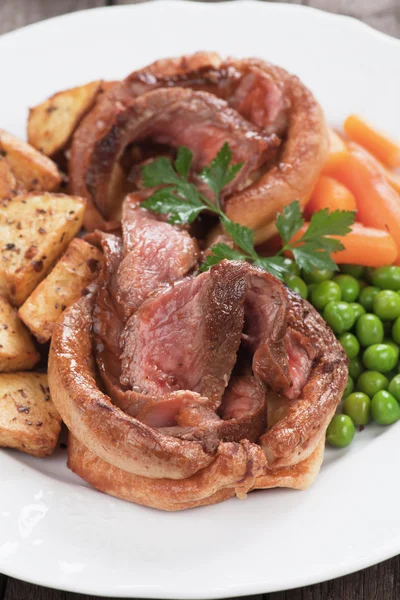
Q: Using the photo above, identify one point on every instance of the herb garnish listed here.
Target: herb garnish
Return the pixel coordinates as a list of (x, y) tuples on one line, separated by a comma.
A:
[(183, 202)]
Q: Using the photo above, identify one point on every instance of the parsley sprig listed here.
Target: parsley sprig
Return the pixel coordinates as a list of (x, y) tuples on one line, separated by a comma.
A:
[(183, 202)]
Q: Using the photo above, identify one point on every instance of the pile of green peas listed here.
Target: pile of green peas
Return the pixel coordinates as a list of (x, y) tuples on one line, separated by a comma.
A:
[(362, 306)]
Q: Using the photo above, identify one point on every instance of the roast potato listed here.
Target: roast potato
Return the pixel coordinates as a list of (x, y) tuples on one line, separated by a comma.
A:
[(32, 170), (17, 351), (8, 183), (65, 283), (52, 123), (29, 421), (35, 229)]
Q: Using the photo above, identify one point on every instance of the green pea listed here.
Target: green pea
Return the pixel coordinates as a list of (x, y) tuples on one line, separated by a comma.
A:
[(349, 387), (387, 278), (387, 305), (318, 275), (339, 315), (349, 287), (369, 330), (341, 431), (356, 271), (357, 309), (371, 382), (325, 292), (396, 330), (393, 345), (366, 297), (291, 266), (296, 284), (356, 367), (358, 407), (384, 408), (350, 344), (394, 387), (380, 357)]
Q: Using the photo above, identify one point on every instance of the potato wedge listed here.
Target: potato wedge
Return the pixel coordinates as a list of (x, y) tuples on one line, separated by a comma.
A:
[(29, 421), (65, 283), (32, 170), (17, 350), (8, 184), (52, 123), (35, 229)]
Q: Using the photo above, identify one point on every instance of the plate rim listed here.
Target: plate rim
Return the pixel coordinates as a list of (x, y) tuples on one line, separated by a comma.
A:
[(338, 569), (205, 5)]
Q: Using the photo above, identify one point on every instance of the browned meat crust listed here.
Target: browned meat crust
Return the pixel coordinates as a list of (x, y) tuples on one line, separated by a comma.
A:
[(238, 92), (202, 443)]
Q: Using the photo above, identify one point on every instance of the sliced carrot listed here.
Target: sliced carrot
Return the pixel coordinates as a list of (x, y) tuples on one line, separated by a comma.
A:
[(329, 193), (363, 246), (337, 150), (367, 246), (378, 204), (372, 140), (392, 178)]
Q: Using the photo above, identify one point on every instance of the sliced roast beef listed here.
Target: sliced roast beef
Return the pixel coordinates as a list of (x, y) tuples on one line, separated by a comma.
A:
[(265, 327), (155, 254), (241, 416), (187, 337), (260, 98), (301, 157), (245, 86), (318, 365), (176, 117)]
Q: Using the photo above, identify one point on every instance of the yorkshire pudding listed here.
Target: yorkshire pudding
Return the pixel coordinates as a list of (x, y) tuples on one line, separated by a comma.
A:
[(182, 389), (271, 120)]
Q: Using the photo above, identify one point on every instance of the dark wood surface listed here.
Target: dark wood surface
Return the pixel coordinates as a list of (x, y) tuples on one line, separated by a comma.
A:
[(381, 582)]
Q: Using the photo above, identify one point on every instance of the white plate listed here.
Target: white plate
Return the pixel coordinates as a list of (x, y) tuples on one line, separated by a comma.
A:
[(57, 532)]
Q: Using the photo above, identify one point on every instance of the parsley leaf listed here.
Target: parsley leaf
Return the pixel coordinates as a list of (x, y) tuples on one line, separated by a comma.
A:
[(183, 161), (273, 264), (310, 256), (324, 223), (289, 223), (242, 236), (313, 249), (183, 202), (165, 201), (220, 172), (159, 172), (218, 252)]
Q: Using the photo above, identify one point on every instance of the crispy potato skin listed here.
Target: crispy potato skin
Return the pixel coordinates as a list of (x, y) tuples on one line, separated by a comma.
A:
[(35, 229), (32, 170), (52, 123), (76, 269), (8, 183), (29, 421), (17, 350)]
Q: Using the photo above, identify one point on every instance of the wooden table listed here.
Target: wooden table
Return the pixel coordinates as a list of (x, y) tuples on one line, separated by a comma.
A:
[(381, 582)]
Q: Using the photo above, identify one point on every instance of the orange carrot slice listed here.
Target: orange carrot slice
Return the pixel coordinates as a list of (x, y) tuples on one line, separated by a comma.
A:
[(329, 193), (372, 140), (337, 150), (378, 204), (364, 246), (367, 246), (392, 178)]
